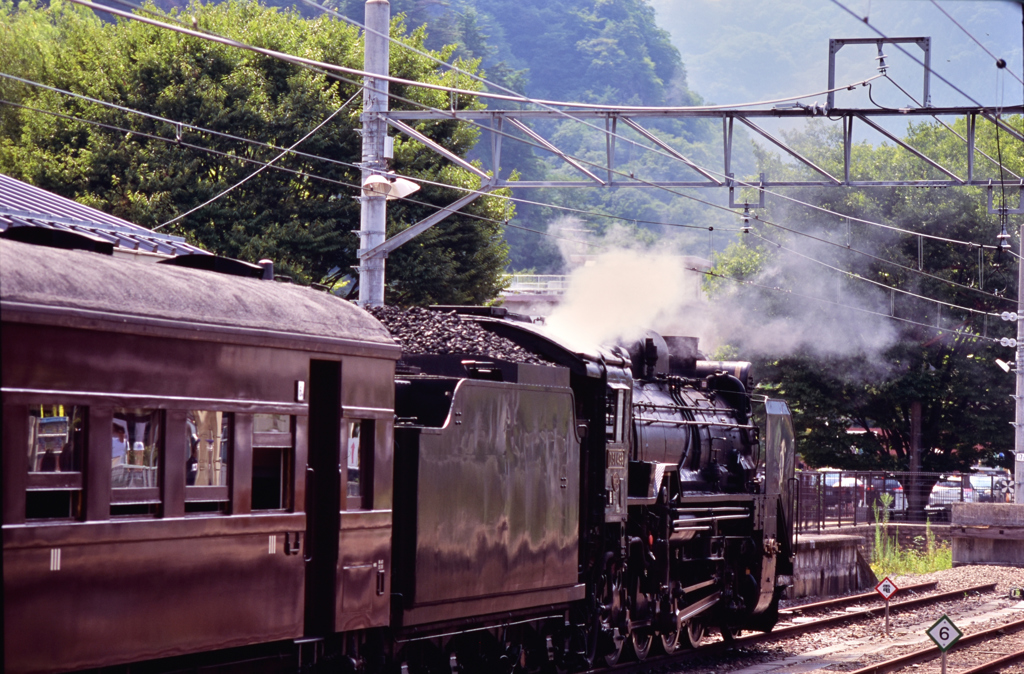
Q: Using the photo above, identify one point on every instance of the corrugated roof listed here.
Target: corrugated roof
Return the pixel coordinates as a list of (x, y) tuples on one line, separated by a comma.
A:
[(24, 205)]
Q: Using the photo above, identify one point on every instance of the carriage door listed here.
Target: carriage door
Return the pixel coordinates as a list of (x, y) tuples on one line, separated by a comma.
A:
[(323, 495)]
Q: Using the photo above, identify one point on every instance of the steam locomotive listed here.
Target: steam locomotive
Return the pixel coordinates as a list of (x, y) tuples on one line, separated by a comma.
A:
[(203, 467)]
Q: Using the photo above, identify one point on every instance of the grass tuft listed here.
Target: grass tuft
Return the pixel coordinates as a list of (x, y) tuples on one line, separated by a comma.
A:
[(888, 559)]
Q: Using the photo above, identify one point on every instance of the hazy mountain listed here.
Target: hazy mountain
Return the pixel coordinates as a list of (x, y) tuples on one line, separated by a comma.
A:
[(751, 50)]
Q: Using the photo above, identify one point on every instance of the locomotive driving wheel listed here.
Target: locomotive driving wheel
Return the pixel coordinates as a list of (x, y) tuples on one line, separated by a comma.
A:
[(672, 640), (612, 614), (642, 638), (694, 633), (642, 642)]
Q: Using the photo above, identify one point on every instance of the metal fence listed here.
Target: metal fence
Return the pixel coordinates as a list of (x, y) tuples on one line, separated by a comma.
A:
[(538, 283), (828, 499)]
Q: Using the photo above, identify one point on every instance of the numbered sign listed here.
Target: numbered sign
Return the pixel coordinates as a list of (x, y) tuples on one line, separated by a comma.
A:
[(886, 588), (944, 633)]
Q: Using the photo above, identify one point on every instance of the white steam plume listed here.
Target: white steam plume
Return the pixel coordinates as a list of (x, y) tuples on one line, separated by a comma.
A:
[(613, 296)]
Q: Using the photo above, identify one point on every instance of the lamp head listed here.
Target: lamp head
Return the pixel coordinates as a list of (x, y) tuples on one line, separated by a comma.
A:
[(388, 186)]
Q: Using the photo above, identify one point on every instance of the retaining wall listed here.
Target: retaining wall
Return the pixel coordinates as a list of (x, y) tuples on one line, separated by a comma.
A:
[(988, 533), (829, 565)]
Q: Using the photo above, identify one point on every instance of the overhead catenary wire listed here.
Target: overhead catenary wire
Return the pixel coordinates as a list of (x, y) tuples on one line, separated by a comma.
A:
[(851, 275), (673, 191), (403, 45), (352, 71), (547, 234), (200, 129), (578, 211), (260, 169), (248, 160), (299, 60), (792, 293), (976, 40), (517, 200), (906, 53)]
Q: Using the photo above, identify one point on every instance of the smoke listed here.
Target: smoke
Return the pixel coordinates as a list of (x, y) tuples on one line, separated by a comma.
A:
[(803, 307)]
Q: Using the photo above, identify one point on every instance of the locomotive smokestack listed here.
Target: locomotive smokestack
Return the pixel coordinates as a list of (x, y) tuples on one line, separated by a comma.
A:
[(683, 354)]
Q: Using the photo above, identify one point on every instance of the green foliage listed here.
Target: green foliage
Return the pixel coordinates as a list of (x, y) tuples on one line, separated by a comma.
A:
[(887, 558), (303, 217)]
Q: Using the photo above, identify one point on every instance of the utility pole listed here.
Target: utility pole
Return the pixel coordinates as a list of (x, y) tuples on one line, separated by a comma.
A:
[(1018, 417), (373, 211)]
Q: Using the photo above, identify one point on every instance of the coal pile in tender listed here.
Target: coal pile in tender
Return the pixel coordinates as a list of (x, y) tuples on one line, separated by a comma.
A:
[(423, 331)]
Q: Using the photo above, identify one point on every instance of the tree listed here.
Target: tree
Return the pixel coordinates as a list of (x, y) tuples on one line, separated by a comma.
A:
[(852, 406), (301, 214)]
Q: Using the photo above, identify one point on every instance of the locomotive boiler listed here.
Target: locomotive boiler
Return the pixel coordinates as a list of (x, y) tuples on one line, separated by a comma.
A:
[(204, 467)]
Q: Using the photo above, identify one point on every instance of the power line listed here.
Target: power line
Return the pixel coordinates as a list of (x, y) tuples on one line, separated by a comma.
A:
[(550, 104), (579, 211), (179, 125), (947, 126), (913, 58), (590, 163), (193, 127), (264, 165), (995, 58), (902, 267), (875, 283), (352, 71), (260, 169), (842, 306), (236, 157)]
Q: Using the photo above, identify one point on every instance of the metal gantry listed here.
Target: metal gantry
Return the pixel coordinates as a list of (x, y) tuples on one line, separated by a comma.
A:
[(514, 125), (501, 123)]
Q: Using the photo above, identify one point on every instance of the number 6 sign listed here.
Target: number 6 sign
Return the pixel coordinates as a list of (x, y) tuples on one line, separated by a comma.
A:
[(944, 633)]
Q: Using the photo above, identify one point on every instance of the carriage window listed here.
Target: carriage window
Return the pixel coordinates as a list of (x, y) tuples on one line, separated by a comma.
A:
[(271, 423), (359, 459), (208, 457), (55, 449), (272, 443), (135, 461)]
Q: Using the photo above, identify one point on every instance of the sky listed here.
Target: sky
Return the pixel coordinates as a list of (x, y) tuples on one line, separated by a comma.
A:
[(752, 50)]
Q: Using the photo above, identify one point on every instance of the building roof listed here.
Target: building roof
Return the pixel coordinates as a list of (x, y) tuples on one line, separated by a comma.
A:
[(24, 205)]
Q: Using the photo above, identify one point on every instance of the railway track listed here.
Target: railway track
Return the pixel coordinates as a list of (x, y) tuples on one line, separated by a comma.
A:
[(784, 630), (984, 638)]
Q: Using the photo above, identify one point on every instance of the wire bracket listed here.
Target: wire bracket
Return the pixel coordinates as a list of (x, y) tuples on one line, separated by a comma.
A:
[(730, 179), (1005, 210)]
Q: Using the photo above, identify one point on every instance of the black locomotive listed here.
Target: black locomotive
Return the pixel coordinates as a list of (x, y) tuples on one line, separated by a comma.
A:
[(201, 468)]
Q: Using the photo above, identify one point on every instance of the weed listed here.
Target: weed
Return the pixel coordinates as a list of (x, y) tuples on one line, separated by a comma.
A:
[(888, 559)]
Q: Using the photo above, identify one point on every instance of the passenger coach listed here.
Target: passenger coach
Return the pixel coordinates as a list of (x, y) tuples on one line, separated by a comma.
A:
[(155, 425)]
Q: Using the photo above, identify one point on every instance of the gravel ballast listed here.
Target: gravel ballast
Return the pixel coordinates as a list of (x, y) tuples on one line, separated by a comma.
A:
[(847, 647)]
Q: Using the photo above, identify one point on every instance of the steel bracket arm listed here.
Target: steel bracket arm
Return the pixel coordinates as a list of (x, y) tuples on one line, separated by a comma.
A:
[(423, 225), (910, 149), (667, 148), (441, 150), (790, 150), (551, 148)]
